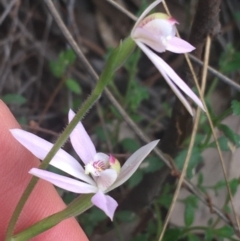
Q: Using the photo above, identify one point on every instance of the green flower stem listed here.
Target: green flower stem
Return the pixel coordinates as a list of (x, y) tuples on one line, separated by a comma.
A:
[(78, 206), (115, 60)]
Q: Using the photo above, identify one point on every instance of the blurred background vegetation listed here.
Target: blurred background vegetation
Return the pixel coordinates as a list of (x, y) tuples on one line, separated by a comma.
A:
[(41, 78)]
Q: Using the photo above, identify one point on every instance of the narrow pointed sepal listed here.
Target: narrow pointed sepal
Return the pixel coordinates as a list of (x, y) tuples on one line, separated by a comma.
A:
[(132, 163), (40, 148), (63, 182), (81, 141)]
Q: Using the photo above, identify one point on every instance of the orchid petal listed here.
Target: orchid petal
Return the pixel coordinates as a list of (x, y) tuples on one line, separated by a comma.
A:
[(40, 148), (81, 141), (105, 203), (133, 163), (145, 12), (66, 183), (106, 179), (146, 37), (161, 65), (178, 45), (177, 92)]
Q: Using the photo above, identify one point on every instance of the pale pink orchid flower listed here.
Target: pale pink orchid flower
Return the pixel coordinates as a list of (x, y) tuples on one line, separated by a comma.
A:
[(158, 31), (102, 172)]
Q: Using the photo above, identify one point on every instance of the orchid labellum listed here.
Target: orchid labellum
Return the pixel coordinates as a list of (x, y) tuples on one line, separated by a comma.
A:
[(102, 172), (158, 31)]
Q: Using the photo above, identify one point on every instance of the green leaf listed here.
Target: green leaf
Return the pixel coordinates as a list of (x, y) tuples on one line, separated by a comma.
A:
[(14, 99), (193, 237), (135, 179), (227, 209), (130, 145), (235, 105), (209, 234), (195, 159), (69, 197), (99, 131), (57, 69), (22, 120), (200, 179), (230, 60), (191, 200), (91, 219), (136, 117), (96, 215), (234, 185), (172, 234), (188, 215), (138, 93), (125, 216), (199, 139), (219, 185), (225, 231), (141, 237), (73, 85), (67, 57), (191, 203), (229, 133), (115, 112), (165, 200), (152, 164), (151, 227), (223, 142), (236, 15)]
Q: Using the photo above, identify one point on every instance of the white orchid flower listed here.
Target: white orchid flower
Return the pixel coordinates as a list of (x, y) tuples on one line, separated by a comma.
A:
[(102, 172), (158, 31)]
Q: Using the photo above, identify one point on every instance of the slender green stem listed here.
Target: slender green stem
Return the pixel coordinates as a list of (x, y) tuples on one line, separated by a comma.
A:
[(78, 206)]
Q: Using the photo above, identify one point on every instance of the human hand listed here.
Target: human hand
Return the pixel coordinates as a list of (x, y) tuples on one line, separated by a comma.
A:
[(15, 162)]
